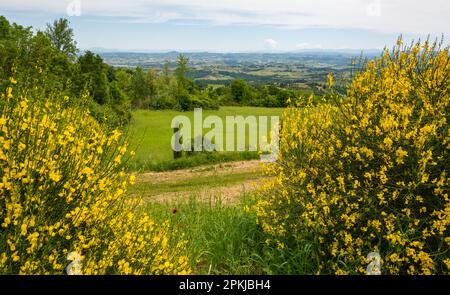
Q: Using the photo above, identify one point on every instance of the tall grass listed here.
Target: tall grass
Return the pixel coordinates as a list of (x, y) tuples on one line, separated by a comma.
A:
[(226, 240)]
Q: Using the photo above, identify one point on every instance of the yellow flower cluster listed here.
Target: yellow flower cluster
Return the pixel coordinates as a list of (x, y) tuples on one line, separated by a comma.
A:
[(62, 190), (368, 171)]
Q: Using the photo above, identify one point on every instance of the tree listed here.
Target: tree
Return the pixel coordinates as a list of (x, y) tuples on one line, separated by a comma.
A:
[(93, 77), (14, 43), (181, 71), (123, 77), (151, 83), (43, 65), (139, 87), (61, 37), (240, 91), (166, 71), (186, 87), (182, 67)]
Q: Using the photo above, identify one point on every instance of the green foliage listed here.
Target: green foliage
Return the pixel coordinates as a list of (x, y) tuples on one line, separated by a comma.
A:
[(31, 59), (139, 88), (61, 36), (188, 95), (240, 92), (164, 90), (181, 71), (45, 64), (92, 76)]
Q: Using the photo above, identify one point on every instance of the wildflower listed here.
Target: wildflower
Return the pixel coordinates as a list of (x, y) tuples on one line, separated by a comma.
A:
[(55, 176), (330, 79), (388, 142), (9, 93), (22, 146), (23, 229), (400, 155)]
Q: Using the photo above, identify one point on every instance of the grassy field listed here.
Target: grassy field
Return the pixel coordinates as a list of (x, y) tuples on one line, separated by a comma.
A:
[(225, 239), (150, 135)]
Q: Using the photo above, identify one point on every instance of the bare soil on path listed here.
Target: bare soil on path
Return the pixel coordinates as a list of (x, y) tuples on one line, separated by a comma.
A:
[(229, 193)]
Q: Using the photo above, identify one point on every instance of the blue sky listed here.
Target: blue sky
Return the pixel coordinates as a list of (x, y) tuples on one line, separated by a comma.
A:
[(237, 26)]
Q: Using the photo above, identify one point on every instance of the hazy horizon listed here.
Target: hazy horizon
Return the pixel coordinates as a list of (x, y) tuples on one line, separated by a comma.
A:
[(262, 51)]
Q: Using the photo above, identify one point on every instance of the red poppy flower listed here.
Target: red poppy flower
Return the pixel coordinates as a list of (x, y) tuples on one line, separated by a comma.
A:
[(174, 210)]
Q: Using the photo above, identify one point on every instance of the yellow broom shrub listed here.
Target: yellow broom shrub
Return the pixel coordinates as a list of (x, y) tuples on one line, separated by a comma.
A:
[(62, 196), (368, 171)]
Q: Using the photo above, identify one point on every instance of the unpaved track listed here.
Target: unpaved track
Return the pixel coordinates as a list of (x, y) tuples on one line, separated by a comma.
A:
[(228, 194), (202, 171)]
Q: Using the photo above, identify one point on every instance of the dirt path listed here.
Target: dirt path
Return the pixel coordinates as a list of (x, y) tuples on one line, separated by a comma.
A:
[(228, 193), (202, 171)]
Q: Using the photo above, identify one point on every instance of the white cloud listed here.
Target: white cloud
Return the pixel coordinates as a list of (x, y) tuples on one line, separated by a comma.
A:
[(392, 16), (271, 44)]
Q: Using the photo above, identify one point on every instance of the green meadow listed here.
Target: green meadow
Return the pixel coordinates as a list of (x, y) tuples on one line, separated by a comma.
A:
[(150, 135)]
